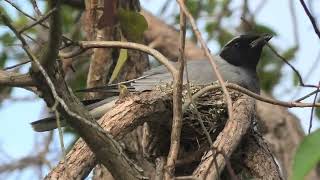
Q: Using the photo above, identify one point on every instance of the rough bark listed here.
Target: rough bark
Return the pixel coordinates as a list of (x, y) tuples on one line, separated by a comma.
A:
[(122, 119), (228, 139), (280, 127), (101, 59), (8, 78)]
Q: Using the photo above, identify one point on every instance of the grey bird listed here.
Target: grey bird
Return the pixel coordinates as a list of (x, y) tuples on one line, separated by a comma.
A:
[(237, 63)]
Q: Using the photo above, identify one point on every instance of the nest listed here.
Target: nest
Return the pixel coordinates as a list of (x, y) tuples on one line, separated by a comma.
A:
[(211, 107)]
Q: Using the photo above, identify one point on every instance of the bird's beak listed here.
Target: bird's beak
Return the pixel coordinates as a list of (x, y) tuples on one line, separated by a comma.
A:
[(262, 40)]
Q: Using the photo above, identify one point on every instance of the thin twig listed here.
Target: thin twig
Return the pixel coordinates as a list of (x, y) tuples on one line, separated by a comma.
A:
[(292, 67), (282, 58), (40, 20), (306, 96), (312, 109), (177, 104), (60, 130), (114, 146), (36, 8), (128, 45), (251, 94), (208, 54), (314, 67), (313, 21), (65, 38), (16, 65), (34, 59)]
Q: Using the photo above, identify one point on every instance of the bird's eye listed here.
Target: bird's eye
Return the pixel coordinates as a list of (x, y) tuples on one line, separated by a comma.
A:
[(237, 45)]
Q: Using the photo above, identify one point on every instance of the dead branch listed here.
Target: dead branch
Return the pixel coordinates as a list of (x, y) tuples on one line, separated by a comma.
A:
[(254, 159), (101, 60), (207, 53), (122, 119), (228, 139), (48, 75), (104, 44), (177, 105), (14, 79)]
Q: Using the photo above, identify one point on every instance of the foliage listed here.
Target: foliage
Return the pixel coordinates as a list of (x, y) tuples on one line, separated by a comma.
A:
[(307, 155), (123, 56), (132, 25)]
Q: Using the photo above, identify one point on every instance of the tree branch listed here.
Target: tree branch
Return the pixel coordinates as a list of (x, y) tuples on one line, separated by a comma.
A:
[(129, 45), (207, 53), (177, 105), (228, 139), (121, 119), (50, 80), (312, 20), (14, 79)]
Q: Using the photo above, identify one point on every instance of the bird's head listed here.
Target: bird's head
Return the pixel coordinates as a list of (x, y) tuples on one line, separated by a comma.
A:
[(245, 50)]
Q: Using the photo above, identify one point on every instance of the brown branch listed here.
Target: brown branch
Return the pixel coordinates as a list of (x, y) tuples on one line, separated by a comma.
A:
[(292, 67), (208, 54), (101, 60), (34, 19), (52, 85), (228, 140), (254, 159), (160, 163), (14, 79), (253, 95), (120, 120), (38, 21), (36, 8), (177, 104), (129, 45)]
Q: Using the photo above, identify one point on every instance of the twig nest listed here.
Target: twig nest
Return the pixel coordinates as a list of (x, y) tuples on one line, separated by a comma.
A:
[(210, 108)]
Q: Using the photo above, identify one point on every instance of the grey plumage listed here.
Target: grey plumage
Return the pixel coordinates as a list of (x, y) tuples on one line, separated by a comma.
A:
[(239, 75), (237, 64)]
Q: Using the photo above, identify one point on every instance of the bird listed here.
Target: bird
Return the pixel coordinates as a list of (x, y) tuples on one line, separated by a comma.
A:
[(237, 63)]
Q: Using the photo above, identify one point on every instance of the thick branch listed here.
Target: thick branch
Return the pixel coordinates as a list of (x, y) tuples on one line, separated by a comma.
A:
[(14, 79), (123, 118), (48, 75), (228, 139)]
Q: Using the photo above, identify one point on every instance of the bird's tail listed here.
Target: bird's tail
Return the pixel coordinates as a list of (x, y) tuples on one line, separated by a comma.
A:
[(46, 124), (97, 110)]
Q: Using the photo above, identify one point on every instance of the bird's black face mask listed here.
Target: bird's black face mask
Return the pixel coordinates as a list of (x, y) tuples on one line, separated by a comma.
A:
[(245, 50)]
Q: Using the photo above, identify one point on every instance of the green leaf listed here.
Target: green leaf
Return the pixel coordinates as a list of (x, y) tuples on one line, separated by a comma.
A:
[(132, 25), (259, 28), (295, 79), (3, 59), (123, 56), (7, 39), (193, 7), (224, 37), (307, 155), (21, 22), (210, 29), (290, 53)]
